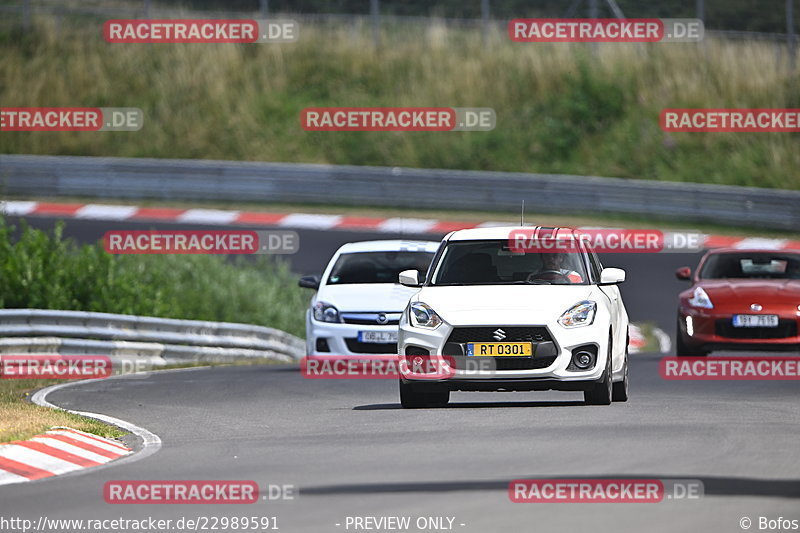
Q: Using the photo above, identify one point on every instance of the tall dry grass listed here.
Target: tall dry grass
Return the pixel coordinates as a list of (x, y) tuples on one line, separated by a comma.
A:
[(560, 108)]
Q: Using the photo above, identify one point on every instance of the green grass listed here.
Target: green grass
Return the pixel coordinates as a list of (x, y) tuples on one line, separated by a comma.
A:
[(560, 108), (45, 271), (20, 419)]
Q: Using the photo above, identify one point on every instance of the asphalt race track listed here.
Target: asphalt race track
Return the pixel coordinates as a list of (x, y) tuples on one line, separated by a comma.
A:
[(352, 451)]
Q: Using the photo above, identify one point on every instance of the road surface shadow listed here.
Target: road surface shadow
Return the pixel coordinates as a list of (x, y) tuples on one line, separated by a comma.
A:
[(713, 486), (472, 405)]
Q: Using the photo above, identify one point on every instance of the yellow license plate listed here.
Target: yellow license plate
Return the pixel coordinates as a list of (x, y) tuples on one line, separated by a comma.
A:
[(500, 349)]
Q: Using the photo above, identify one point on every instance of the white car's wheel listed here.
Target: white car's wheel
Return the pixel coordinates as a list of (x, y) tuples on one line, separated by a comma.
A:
[(620, 389), (412, 397), (602, 391)]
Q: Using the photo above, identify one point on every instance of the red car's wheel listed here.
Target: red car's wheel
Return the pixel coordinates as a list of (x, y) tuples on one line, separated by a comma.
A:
[(682, 349)]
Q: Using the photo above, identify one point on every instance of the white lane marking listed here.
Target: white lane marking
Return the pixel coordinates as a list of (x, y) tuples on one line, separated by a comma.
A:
[(18, 208), (664, 342), (91, 442), (755, 242), (208, 216), (493, 224), (7, 478), (310, 221), (106, 212), (39, 460), (407, 225), (71, 448)]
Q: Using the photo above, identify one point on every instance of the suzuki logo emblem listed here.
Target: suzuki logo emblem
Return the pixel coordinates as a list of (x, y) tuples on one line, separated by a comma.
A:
[(756, 307), (499, 334)]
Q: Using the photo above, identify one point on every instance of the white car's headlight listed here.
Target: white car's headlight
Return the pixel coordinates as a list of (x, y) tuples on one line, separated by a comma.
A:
[(325, 312), (580, 314), (701, 299), (422, 316)]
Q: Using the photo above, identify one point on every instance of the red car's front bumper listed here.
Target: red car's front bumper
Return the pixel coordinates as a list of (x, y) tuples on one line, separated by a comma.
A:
[(713, 329)]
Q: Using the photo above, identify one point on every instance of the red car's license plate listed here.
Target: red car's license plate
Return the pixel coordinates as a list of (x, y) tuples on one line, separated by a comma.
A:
[(755, 321)]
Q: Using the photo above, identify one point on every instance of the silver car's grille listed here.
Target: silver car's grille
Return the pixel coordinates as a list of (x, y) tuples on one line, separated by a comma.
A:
[(372, 319)]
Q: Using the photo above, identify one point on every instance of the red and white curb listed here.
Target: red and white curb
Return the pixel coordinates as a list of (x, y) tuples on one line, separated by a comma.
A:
[(64, 450), (638, 339), (220, 217), (54, 452)]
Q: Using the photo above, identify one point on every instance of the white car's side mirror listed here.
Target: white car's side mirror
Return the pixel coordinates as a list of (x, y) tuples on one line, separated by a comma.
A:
[(612, 276), (409, 278)]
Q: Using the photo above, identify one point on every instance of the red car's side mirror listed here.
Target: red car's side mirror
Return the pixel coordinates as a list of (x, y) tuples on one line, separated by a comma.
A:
[(684, 273)]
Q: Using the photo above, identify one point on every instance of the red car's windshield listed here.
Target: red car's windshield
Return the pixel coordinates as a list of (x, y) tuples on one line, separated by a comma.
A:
[(751, 265)]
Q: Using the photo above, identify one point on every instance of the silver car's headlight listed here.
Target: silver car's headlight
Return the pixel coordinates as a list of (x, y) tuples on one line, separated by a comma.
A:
[(580, 314), (325, 312), (422, 316)]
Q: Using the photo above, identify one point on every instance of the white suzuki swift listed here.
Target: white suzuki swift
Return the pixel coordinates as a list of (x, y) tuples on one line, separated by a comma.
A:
[(358, 301), (501, 318)]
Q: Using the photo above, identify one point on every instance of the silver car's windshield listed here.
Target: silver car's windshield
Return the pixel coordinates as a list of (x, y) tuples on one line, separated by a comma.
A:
[(376, 267)]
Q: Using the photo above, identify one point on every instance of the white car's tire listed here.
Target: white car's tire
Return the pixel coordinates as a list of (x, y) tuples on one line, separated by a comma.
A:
[(601, 392), (620, 388), (412, 397)]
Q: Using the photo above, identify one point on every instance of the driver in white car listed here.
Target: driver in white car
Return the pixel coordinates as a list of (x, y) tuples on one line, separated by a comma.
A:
[(556, 262)]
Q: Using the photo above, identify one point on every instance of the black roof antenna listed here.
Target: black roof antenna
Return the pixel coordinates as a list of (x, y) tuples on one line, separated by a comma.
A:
[(522, 214)]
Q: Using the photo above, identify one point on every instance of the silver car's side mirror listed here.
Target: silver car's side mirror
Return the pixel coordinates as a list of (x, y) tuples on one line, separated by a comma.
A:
[(409, 278)]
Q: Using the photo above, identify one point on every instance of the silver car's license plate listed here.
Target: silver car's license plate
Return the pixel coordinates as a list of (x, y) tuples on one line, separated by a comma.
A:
[(755, 321), (377, 337)]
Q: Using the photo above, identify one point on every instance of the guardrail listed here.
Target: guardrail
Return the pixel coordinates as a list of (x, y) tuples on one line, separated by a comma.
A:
[(233, 181), (124, 336)]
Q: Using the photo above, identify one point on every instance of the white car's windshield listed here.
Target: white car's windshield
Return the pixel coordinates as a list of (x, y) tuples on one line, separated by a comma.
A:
[(491, 262), (376, 267)]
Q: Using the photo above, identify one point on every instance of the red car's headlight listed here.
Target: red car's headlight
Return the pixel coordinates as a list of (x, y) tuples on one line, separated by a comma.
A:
[(701, 299)]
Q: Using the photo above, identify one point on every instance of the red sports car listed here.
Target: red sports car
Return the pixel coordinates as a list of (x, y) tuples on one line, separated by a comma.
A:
[(740, 299)]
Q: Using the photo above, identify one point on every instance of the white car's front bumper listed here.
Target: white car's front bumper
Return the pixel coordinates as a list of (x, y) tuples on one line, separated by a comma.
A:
[(566, 340), (342, 339)]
